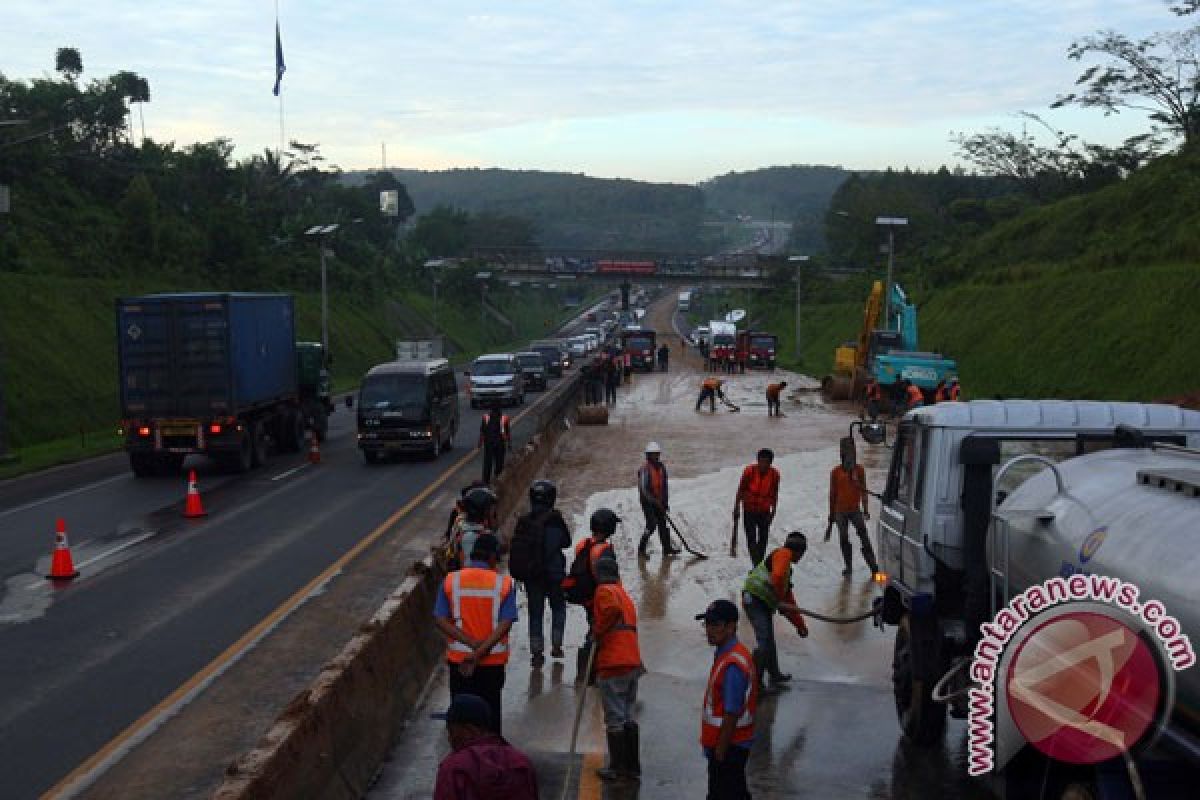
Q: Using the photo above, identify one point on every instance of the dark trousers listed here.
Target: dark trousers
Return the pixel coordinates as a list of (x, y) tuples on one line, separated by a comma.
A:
[(727, 779), (757, 525), (844, 520), (493, 460), (541, 593), (762, 619), (485, 682), (610, 391), (662, 365), (657, 519), (711, 396)]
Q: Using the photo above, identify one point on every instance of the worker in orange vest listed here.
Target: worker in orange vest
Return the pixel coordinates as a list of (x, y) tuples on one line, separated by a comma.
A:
[(618, 667), (954, 391), (768, 589), (758, 495), (730, 703), (913, 394), (710, 390), (495, 437), (580, 585), (847, 492), (475, 609), (874, 398), (941, 394), (774, 390), (654, 494)]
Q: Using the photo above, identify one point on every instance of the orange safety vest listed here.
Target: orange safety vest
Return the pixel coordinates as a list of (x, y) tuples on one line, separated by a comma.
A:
[(940, 395), (773, 391), (656, 480), (847, 488), (711, 383), (714, 702), (915, 397), (475, 597), (618, 646), (505, 428), (954, 392), (759, 491), (598, 549)]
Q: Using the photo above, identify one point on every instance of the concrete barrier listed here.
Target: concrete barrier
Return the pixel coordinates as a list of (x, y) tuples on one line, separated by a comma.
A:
[(332, 738)]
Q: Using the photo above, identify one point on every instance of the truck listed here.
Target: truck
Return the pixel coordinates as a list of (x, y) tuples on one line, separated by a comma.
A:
[(757, 349), (214, 373), (890, 354), (640, 343), (722, 339), (984, 499), (685, 301)]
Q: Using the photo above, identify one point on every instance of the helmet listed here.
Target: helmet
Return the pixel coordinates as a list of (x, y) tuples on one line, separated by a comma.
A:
[(604, 521), (543, 493), (478, 503), (653, 448)]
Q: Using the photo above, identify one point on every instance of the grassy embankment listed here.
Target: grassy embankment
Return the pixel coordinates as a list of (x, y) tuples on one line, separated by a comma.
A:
[(58, 360)]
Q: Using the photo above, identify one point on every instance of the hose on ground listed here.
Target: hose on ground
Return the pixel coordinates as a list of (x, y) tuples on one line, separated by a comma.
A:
[(874, 612)]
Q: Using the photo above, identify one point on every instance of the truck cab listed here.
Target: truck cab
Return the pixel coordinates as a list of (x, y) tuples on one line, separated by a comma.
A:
[(933, 531)]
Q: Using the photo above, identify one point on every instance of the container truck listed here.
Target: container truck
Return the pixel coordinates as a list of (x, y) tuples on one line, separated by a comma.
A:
[(986, 499), (215, 374)]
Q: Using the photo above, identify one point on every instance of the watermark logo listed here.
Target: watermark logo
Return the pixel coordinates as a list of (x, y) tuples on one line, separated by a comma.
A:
[(1078, 667)]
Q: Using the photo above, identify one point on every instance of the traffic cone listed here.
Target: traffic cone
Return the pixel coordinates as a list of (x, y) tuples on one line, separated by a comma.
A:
[(193, 507), (62, 568), (314, 449)]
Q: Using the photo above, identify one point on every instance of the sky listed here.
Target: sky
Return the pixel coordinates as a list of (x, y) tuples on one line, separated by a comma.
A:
[(662, 91)]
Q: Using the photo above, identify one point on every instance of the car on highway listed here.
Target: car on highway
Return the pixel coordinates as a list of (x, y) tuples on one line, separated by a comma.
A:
[(406, 407), (557, 359), (497, 378), (577, 347), (535, 369)]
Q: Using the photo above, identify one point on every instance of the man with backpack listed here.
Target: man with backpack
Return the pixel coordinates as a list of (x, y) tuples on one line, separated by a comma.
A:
[(580, 583), (478, 517), (536, 559), (495, 437), (481, 764)]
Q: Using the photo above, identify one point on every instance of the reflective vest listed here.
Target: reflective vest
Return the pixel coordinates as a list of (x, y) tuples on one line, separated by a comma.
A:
[(758, 582), (915, 397), (619, 644), (847, 488), (657, 480), (598, 549), (505, 429), (773, 391), (714, 702), (475, 597), (711, 383), (760, 491)]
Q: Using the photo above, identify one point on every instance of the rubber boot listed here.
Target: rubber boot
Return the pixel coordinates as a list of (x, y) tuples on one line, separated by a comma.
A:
[(616, 757), (642, 553), (633, 758)]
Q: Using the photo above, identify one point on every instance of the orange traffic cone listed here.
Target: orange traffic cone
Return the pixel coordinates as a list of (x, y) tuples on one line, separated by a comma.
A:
[(314, 449), (193, 507), (62, 568)]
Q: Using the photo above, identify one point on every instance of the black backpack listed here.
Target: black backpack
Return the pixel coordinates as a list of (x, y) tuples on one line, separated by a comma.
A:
[(527, 550), (579, 586)]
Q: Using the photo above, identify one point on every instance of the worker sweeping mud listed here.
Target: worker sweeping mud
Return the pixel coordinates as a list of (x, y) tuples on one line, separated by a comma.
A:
[(774, 390), (655, 499), (710, 390)]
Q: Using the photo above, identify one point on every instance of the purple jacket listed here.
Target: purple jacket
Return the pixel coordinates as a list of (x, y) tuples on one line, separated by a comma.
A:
[(489, 768)]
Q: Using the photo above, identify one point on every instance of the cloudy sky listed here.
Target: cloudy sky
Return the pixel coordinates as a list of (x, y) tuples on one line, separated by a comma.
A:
[(661, 90)]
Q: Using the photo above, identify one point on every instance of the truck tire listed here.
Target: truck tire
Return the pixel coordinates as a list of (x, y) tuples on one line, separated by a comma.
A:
[(291, 432), (242, 460), (921, 719), (144, 465)]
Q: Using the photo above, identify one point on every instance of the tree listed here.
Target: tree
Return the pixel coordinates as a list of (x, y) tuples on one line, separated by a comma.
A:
[(138, 211), (69, 62), (1159, 75)]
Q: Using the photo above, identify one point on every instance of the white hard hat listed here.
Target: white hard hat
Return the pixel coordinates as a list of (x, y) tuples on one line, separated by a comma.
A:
[(653, 448)]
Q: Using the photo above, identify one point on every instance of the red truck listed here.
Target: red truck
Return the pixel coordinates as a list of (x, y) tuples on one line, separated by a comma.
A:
[(640, 344), (756, 349)]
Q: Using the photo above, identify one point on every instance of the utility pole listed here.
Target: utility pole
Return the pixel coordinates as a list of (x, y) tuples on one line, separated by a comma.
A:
[(891, 223), (799, 261), (320, 232)]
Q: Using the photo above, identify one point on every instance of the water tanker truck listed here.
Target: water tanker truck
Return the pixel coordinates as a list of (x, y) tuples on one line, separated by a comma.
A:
[(991, 504)]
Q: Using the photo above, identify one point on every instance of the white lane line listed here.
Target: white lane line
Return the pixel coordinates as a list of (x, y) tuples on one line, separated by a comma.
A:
[(123, 546), (6, 512), (292, 471)]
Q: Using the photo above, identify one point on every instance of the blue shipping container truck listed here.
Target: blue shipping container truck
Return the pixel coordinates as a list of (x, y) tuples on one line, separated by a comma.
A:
[(211, 373)]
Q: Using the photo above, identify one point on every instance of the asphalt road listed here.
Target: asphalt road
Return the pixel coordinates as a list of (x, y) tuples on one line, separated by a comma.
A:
[(160, 597)]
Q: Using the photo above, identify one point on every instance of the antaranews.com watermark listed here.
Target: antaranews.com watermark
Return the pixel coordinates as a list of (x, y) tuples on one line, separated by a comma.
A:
[(1072, 720)]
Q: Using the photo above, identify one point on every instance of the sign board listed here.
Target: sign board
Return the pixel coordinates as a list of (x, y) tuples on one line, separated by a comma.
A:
[(389, 203), (418, 349), (735, 316)]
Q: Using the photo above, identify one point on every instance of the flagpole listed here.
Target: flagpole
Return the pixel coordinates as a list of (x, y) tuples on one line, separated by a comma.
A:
[(281, 131)]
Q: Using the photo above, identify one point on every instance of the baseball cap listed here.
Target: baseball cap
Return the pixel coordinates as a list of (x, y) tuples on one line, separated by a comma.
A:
[(466, 709), (485, 545), (719, 611)]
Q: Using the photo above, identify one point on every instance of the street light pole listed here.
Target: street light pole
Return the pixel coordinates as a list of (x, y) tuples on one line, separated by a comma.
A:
[(321, 232), (799, 261)]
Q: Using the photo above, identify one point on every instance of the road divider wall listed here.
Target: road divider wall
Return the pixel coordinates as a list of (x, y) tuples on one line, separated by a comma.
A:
[(332, 738)]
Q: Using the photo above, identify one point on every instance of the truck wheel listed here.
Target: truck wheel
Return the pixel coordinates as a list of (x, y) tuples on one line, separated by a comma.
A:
[(243, 459), (259, 445), (921, 719), (144, 465), (291, 432)]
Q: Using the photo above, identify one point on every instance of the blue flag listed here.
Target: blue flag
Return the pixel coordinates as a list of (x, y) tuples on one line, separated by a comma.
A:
[(280, 67)]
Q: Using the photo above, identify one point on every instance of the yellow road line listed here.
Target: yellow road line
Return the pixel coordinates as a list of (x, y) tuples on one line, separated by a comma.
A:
[(91, 769)]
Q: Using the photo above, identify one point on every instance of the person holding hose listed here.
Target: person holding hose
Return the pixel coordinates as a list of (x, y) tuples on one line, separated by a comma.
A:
[(768, 589), (758, 495), (847, 492)]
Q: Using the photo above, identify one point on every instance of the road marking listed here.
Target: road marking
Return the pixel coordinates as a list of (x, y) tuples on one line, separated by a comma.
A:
[(68, 493), (292, 471), (90, 770)]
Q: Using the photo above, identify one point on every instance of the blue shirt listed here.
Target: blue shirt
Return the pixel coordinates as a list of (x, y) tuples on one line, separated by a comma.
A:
[(735, 691), (508, 606)]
